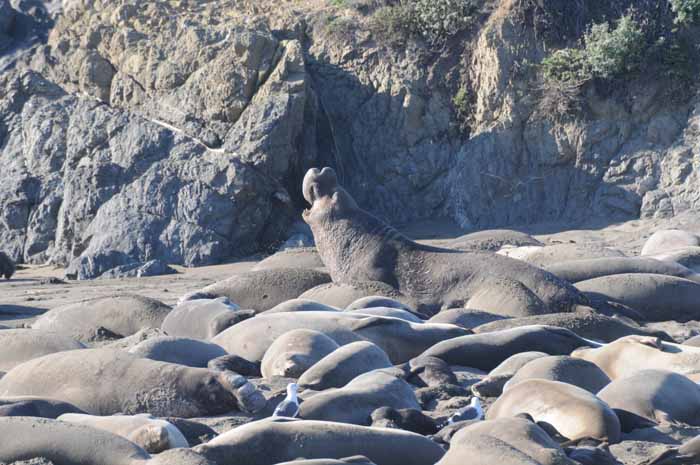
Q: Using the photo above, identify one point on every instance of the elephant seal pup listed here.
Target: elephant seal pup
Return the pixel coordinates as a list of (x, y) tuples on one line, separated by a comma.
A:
[(301, 305), (400, 339), (28, 406), (492, 385), (358, 247), (25, 438), (271, 441), (342, 295), (120, 315), (263, 289), (585, 322), (574, 412), (298, 257), (344, 364), (631, 354), (668, 240), (583, 270), (203, 318), (354, 460), (485, 351), (655, 395), (109, 381), (365, 394), (657, 297), (7, 266), (491, 240), (153, 435), (465, 317), (565, 369), (504, 441), (183, 351), (294, 352), (20, 345)]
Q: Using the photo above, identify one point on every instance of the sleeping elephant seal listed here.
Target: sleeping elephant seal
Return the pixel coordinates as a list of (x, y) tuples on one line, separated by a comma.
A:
[(689, 257), (7, 266), (25, 438), (180, 350), (657, 297), (20, 345), (373, 301), (667, 240), (585, 322), (389, 312), (263, 289), (565, 369), (505, 441), (400, 339), (354, 460), (294, 352), (120, 315), (492, 385), (341, 366), (203, 318), (341, 295), (631, 354), (583, 270), (152, 434), (557, 253), (109, 381), (298, 257), (271, 441), (485, 351), (301, 305), (492, 240), (355, 402), (358, 247), (658, 396), (574, 412), (466, 317), (29, 406)]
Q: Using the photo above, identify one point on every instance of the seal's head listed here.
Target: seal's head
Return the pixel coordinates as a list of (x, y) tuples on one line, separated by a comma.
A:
[(321, 190)]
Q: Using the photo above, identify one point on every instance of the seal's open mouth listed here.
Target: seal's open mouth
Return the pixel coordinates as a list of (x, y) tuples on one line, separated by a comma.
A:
[(318, 184)]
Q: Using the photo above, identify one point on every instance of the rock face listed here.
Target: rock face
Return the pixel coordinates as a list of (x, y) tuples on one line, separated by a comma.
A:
[(84, 177), (180, 131)]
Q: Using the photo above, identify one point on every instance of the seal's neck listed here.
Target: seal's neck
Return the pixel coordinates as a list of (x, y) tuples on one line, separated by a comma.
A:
[(354, 244)]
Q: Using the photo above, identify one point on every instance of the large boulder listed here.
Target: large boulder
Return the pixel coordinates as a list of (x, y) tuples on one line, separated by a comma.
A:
[(94, 187)]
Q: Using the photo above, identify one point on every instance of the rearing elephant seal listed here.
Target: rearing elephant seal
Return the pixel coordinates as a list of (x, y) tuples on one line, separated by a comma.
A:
[(356, 246)]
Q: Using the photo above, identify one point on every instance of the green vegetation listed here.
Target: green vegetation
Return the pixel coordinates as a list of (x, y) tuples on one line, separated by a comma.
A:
[(611, 53), (606, 53), (435, 21), (687, 11)]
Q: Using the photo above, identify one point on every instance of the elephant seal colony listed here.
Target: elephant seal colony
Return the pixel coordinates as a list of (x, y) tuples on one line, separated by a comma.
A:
[(383, 346)]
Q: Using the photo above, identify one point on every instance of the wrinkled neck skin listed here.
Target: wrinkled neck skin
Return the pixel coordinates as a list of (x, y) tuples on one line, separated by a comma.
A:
[(353, 244)]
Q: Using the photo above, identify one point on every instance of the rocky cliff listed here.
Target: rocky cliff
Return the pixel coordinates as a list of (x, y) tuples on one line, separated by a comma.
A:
[(180, 130)]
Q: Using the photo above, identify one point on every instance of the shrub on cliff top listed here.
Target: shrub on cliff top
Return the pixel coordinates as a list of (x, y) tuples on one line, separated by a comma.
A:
[(687, 11), (607, 52), (433, 20)]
